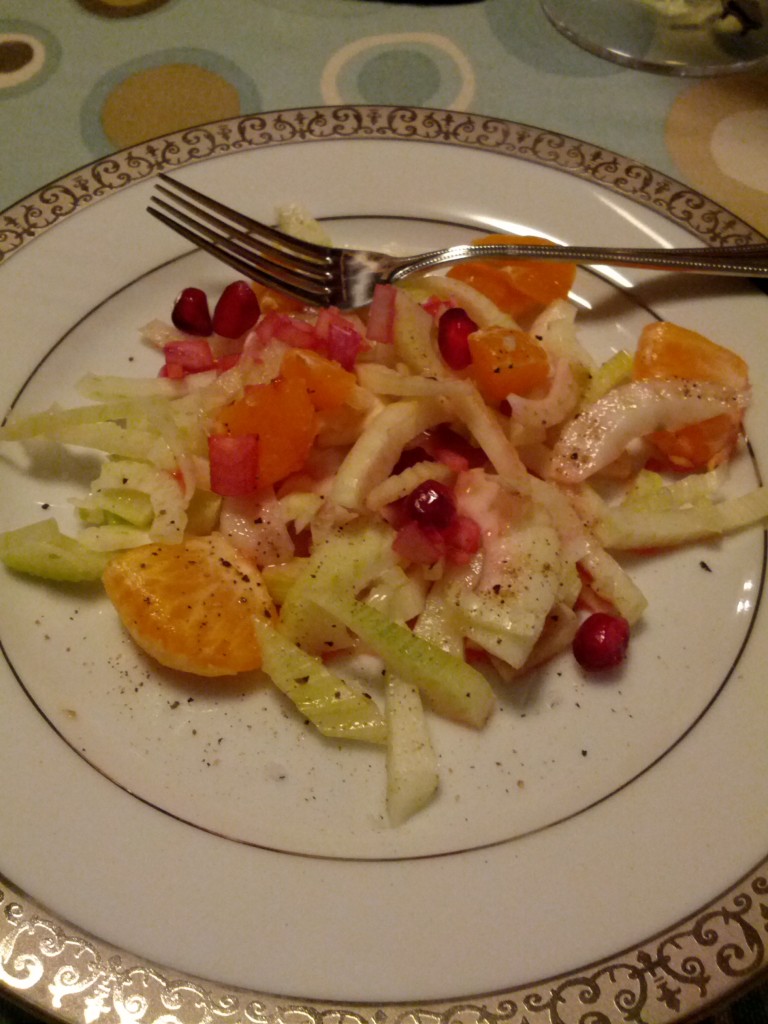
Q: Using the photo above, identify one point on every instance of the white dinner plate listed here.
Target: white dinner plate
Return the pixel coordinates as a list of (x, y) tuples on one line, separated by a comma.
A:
[(173, 850)]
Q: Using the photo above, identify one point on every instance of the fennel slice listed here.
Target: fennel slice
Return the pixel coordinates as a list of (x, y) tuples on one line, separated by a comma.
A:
[(355, 554), (40, 549), (334, 708), (448, 684), (412, 777)]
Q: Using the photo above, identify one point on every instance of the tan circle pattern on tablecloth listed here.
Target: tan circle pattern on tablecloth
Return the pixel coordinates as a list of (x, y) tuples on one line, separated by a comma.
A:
[(155, 101), (717, 134)]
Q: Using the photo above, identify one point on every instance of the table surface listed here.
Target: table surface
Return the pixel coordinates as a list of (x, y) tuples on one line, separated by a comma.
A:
[(82, 78)]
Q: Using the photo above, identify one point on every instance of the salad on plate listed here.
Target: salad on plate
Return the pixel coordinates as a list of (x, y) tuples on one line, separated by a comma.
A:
[(445, 480)]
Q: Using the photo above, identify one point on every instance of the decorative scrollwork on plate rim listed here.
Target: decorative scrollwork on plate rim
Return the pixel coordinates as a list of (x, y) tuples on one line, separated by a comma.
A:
[(702, 217), (49, 966), (683, 971)]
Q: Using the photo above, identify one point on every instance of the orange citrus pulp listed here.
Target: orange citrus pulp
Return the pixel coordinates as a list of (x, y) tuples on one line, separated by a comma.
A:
[(190, 606), (518, 287), (328, 384), (666, 350), (271, 300), (506, 362), (282, 415)]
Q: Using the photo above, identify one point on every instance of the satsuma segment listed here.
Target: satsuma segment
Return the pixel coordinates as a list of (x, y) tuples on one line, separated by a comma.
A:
[(328, 384), (666, 350), (283, 417), (505, 363), (273, 301), (191, 606), (518, 287)]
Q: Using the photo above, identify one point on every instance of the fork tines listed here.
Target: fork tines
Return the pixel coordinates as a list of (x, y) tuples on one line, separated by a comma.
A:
[(260, 252)]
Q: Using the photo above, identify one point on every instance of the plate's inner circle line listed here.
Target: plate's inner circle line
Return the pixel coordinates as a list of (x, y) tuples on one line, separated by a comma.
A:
[(151, 294)]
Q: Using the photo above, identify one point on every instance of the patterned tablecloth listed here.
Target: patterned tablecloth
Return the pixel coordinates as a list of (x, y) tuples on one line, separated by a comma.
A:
[(82, 78)]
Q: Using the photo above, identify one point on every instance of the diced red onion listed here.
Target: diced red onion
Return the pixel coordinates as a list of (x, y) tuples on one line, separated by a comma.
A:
[(344, 343), (381, 315), (464, 539), (192, 355), (423, 545), (234, 464)]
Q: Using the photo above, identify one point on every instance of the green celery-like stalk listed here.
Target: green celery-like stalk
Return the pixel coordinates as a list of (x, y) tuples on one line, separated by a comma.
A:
[(40, 549), (334, 708), (412, 777), (449, 685)]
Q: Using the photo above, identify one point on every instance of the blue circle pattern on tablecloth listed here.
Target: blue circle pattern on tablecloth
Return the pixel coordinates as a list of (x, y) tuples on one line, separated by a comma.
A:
[(540, 45), (403, 75), (419, 68), (29, 54)]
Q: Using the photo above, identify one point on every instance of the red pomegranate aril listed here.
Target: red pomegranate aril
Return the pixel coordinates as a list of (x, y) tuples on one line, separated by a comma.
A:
[(190, 313), (431, 504), (601, 641), (453, 330), (236, 311)]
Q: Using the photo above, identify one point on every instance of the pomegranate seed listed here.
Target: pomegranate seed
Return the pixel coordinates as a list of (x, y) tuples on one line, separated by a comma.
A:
[(236, 311), (601, 641), (431, 504), (190, 313), (453, 330)]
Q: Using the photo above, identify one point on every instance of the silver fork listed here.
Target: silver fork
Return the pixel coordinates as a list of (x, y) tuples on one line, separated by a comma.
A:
[(326, 276)]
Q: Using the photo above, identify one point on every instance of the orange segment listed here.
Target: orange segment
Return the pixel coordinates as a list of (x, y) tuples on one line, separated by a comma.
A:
[(666, 350), (281, 414), (506, 362), (271, 300), (518, 287), (700, 446), (191, 606), (328, 384)]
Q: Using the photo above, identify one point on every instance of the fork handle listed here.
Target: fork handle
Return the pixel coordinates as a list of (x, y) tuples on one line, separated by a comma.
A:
[(735, 261)]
